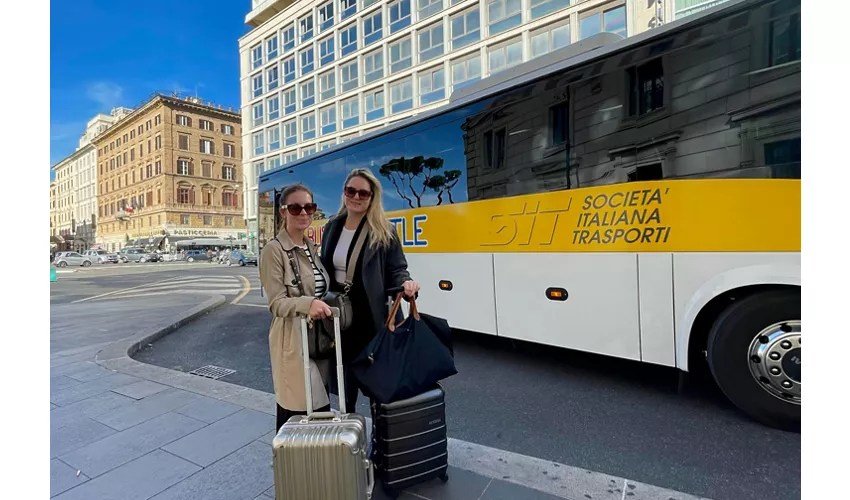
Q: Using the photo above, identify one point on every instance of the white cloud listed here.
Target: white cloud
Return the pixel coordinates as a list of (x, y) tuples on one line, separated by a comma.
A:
[(107, 94), (66, 131)]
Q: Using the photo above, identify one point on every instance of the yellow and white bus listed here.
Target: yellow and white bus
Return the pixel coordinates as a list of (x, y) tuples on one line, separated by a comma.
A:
[(637, 198)]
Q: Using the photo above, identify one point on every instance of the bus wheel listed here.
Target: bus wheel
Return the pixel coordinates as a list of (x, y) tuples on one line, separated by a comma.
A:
[(754, 353)]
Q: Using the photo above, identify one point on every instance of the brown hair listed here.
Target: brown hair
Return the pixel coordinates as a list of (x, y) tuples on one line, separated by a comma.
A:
[(284, 195)]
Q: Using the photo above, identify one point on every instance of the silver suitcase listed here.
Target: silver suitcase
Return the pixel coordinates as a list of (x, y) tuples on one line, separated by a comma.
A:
[(323, 455)]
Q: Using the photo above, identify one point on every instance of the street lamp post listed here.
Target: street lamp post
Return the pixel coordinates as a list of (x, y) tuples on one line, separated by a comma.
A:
[(252, 233)]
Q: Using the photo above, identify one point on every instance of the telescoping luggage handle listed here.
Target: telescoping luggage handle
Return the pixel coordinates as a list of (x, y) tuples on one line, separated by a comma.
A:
[(339, 372)]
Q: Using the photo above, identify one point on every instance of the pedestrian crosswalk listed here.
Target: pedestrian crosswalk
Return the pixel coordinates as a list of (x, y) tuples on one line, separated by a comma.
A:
[(197, 285)]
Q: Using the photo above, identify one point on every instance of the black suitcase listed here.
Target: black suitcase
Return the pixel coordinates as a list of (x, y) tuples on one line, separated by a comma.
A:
[(409, 441)]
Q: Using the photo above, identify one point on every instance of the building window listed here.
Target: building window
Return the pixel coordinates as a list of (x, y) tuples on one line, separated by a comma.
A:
[(306, 61), (207, 146), (646, 87), (184, 167), (226, 129), (348, 76), (348, 8), (271, 48), (258, 142), (272, 75), (466, 28), (206, 169), (326, 51), (505, 56), (208, 220), (305, 27), (257, 85), (374, 104), (552, 39), (158, 167), (400, 56), (350, 112), (326, 16), (308, 127), (273, 106), (229, 199), (327, 86), (290, 133), (227, 173), (274, 162), (290, 157), (373, 66), (185, 195), (308, 151), (289, 70), (274, 138), (206, 195), (327, 145), (784, 33), (205, 125), (157, 141), (149, 170), (348, 40), (399, 15), (373, 27), (559, 123), (182, 143), (327, 119), (157, 120), (229, 150), (183, 121), (258, 114), (228, 220), (308, 94), (540, 8), (401, 96), (256, 56), (431, 42), (288, 34), (184, 219), (503, 15), (784, 158), (132, 136), (428, 8), (494, 148), (289, 101), (612, 21), (432, 86)]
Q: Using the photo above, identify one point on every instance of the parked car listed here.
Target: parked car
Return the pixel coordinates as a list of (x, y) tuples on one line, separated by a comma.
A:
[(137, 255), (243, 257), (72, 259), (193, 255), (101, 256)]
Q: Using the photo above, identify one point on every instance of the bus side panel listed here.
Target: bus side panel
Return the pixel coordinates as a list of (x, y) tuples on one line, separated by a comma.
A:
[(699, 277), (657, 332), (471, 303), (600, 313)]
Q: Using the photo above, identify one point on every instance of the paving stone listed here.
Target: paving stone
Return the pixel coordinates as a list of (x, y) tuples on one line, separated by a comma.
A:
[(77, 435), (85, 390), (63, 477), (87, 408), (208, 410), (145, 409), (125, 446), (52, 406), (268, 438), (137, 480), (71, 366), (61, 382), (141, 389), (221, 438), (242, 474), (462, 485), (68, 360), (503, 490), (88, 372)]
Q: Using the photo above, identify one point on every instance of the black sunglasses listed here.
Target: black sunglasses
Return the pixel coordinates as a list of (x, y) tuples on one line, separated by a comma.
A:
[(295, 208), (351, 192)]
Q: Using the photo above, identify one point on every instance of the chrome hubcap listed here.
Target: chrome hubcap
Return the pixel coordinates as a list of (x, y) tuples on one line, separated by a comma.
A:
[(774, 360)]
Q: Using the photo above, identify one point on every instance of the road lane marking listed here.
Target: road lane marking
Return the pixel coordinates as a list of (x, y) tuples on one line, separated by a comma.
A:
[(122, 290), (245, 291)]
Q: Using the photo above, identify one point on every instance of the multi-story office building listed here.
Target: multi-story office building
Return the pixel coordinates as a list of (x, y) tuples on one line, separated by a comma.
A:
[(318, 73), (56, 241), (76, 188), (169, 171)]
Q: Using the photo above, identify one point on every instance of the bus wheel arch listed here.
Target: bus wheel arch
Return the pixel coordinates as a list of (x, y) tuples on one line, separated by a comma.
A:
[(724, 341)]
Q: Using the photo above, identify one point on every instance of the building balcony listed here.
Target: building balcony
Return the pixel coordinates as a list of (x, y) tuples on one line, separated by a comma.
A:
[(263, 10), (205, 209)]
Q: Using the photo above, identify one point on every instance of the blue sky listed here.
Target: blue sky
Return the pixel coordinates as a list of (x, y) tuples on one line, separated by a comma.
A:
[(107, 53)]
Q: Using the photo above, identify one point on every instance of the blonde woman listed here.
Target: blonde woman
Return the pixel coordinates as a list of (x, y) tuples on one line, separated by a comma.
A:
[(381, 265), (288, 301)]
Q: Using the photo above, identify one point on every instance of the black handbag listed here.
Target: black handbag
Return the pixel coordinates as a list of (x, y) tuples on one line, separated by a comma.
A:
[(320, 342), (341, 300)]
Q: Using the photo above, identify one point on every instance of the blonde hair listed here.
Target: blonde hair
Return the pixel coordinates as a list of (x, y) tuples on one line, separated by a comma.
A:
[(289, 190), (380, 229)]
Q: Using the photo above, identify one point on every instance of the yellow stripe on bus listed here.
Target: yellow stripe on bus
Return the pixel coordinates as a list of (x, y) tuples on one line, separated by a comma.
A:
[(724, 215)]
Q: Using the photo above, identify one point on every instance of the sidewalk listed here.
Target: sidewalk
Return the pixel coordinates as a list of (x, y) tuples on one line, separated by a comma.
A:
[(125, 430)]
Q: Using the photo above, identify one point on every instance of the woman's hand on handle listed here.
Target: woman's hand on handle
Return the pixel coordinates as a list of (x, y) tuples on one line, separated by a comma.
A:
[(319, 310), (410, 288)]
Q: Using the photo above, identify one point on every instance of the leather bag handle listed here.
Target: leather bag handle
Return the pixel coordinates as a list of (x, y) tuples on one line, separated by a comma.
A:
[(391, 326)]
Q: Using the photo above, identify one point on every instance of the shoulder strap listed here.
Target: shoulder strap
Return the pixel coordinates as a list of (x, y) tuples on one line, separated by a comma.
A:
[(355, 254), (294, 264)]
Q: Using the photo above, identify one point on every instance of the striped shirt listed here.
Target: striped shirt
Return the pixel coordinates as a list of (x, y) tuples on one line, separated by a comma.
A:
[(321, 284)]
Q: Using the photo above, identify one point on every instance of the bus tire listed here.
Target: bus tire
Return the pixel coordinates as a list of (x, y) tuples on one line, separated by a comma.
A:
[(754, 352)]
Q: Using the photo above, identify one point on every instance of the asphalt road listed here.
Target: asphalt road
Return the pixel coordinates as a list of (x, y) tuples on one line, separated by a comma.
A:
[(602, 414)]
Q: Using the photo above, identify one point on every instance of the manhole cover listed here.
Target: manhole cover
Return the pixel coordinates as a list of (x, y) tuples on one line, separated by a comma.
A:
[(212, 371)]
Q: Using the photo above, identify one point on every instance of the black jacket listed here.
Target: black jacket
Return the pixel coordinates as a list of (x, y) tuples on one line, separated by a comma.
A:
[(377, 271)]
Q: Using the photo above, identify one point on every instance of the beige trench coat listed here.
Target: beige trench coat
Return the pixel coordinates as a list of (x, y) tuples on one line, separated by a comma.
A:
[(287, 306)]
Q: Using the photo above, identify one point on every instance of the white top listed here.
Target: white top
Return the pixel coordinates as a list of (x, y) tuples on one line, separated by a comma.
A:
[(341, 254), (321, 285)]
